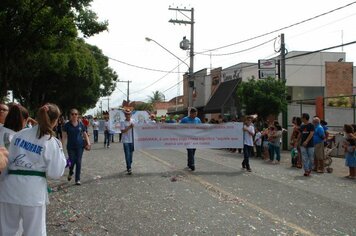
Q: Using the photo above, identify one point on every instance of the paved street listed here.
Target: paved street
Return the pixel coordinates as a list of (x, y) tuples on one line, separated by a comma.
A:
[(162, 198)]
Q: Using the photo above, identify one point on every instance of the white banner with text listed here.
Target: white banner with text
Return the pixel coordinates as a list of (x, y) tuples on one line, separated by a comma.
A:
[(176, 135)]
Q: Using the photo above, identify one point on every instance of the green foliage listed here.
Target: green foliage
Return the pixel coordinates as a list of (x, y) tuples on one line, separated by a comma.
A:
[(144, 107), (340, 102), (42, 59), (157, 96), (263, 97)]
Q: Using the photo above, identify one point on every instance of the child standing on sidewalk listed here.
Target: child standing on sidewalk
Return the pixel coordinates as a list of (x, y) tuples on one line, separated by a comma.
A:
[(349, 147), (258, 142)]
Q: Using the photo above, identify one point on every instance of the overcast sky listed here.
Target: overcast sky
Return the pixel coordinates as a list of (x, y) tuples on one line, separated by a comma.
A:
[(217, 24)]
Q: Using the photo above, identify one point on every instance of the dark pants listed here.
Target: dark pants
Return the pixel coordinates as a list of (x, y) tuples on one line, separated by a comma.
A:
[(96, 135), (258, 150), (128, 150), (274, 151), (191, 154), (106, 138), (247, 154), (75, 156), (271, 151)]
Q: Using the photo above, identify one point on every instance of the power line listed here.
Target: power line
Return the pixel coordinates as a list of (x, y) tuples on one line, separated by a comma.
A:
[(140, 67), (299, 55), (229, 45), (246, 40), (173, 86), (244, 50), (153, 82), (158, 79), (320, 50), (280, 29), (121, 91)]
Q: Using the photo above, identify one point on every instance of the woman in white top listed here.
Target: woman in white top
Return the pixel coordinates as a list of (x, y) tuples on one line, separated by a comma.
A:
[(15, 121), (95, 125), (34, 154)]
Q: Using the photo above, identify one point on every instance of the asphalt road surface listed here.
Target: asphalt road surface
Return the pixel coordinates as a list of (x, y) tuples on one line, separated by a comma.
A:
[(161, 197)]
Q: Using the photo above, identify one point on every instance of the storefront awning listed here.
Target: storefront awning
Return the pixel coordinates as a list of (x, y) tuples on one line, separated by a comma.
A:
[(221, 96)]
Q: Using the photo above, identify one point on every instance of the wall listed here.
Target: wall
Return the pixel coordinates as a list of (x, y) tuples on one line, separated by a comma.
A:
[(335, 116), (309, 70), (215, 75), (339, 80), (200, 85)]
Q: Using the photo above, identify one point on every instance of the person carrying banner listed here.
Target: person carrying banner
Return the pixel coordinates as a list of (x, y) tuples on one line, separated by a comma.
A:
[(127, 139), (95, 126), (191, 119), (249, 132)]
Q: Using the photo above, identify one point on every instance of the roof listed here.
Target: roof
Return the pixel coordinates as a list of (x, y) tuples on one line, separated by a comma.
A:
[(221, 96)]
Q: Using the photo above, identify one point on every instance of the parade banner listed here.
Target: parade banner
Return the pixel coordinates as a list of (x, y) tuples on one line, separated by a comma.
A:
[(176, 135), (116, 116)]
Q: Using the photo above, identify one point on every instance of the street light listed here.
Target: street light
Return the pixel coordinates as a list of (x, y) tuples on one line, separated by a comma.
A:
[(149, 40), (190, 70)]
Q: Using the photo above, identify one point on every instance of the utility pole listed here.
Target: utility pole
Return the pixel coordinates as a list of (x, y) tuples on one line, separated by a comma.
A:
[(128, 89), (191, 53), (282, 77), (283, 59), (178, 88)]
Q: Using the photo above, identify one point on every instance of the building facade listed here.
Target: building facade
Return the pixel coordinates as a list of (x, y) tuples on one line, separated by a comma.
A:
[(308, 75)]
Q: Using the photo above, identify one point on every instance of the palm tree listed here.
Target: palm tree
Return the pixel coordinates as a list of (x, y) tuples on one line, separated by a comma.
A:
[(157, 96)]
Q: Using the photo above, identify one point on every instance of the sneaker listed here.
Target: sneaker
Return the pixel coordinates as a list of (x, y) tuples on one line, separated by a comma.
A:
[(129, 171), (192, 168), (77, 182), (108, 146), (249, 170), (69, 178)]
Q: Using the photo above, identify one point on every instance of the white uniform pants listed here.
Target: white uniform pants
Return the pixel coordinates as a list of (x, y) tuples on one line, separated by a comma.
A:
[(34, 219)]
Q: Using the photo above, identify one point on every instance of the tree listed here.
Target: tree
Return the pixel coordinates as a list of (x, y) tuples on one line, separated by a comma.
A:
[(40, 52), (157, 96), (70, 77), (263, 97), (144, 107)]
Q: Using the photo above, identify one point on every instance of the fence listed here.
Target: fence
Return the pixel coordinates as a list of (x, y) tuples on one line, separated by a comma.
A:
[(336, 111)]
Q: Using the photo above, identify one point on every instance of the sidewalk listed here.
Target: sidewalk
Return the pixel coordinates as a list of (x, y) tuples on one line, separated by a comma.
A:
[(338, 164)]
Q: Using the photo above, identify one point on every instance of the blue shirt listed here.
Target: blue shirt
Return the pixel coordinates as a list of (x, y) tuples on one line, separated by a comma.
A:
[(319, 134), (74, 135), (189, 120)]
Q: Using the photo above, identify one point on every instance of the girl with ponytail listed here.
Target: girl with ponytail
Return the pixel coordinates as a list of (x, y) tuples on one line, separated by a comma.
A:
[(34, 155)]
